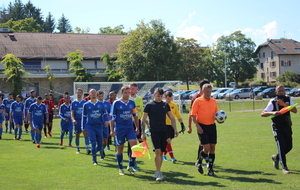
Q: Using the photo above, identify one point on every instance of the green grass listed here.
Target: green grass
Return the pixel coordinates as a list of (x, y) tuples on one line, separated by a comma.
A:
[(243, 161)]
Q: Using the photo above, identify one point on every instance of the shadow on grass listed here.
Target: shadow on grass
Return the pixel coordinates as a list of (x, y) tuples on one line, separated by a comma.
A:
[(244, 178)]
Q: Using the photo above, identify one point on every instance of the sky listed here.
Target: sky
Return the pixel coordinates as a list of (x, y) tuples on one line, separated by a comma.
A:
[(203, 20)]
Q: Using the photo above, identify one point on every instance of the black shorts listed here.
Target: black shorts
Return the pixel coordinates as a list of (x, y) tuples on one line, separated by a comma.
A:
[(170, 131), (159, 140), (140, 129), (50, 117), (209, 135)]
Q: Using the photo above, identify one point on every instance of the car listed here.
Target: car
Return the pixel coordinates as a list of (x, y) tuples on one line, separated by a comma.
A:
[(193, 94), (257, 90), (294, 92), (239, 93), (217, 92), (186, 95), (268, 93), (223, 94)]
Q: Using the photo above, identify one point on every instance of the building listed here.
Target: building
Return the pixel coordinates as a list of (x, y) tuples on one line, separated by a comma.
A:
[(36, 50), (277, 56)]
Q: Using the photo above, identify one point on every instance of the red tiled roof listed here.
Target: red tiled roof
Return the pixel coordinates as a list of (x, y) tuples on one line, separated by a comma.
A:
[(282, 46), (57, 45)]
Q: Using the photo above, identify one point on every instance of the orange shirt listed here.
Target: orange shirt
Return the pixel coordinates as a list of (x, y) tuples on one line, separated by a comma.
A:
[(205, 110)]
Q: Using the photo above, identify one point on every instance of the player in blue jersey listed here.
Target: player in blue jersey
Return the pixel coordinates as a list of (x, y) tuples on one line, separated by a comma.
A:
[(122, 112), (37, 113), (7, 102), (16, 114), (2, 113), (100, 95), (66, 121), (76, 114), (94, 117), (28, 102)]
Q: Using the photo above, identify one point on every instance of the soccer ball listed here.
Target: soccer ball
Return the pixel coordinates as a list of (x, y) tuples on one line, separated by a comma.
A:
[(147, 132), (221, 116)]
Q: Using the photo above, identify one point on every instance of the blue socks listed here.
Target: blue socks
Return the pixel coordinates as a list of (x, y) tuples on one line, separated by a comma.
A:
[(32, 133), (131, 159), (87, 142), (38, 137), (1, 131), (20, 132), (120, 160), (16, 131), (94, 151)]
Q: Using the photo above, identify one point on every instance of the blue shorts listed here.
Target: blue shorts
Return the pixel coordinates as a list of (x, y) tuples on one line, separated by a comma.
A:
[(123, 134), (37, 125), (105, 132), (18, 120), (7, 117), (77, 127), (95, 132), (66, 126)]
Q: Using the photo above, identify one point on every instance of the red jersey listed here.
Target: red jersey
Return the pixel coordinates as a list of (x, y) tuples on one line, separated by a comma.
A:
[(62, 101)]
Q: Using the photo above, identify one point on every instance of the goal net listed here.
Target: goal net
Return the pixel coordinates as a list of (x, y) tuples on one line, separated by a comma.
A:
[(146, 89)]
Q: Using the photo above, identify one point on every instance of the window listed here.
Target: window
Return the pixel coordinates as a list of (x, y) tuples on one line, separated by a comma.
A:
[(282, 63), (277, 42), (95, 62), (262, 75), (286, 63), (273, 64), (284, 49), (259, 55), (262, 66), (297, 49), (295, 42), (273, 74), (290, 63), (263, 55), (272, 54), (32, 64)]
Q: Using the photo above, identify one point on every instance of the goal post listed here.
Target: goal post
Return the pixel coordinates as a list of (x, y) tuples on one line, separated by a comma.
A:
[(145, 88)]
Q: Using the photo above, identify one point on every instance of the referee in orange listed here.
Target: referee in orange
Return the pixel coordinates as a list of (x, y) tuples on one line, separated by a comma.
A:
[(203, 114)]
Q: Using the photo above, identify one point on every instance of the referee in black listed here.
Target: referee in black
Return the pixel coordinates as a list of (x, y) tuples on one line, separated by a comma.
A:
[(281, 125)]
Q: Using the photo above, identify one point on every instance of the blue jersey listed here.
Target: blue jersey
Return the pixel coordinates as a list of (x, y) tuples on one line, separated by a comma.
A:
[(77, 107), (17, 109), (2, 109), (37, 112), (94, 114), (7, 103), (28, 102), (107, 106), (122, 112), (65, 111)]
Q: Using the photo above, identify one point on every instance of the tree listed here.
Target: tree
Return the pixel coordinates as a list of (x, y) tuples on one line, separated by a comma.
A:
[(49, 24), (24, 25), (81, 73), (238, 52), (64, 25), (108, 30), (50, 77), (14, 70), (81, 30), (3, 15), (112, 70), (31, 11), (192, 60), (149, 53), (288, 76), (16, 10)]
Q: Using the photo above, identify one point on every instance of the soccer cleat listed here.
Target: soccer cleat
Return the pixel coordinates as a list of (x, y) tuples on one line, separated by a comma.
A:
[(130, 169), (275, 162), (19, 139), (135, 168), (33, 141), (174, 160), (95, 163), (78, 151), (211, 173), (285, 171), (164, 158), (200, 169), (70, 145), (50, 133), (0, 137), (26, 131), (158, 176), (61, 143), (38, 145), (121, 172), (88, 152), (15, 138), (102, 158), (45, 136)]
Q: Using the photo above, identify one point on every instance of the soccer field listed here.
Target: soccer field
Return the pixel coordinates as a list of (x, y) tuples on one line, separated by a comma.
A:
[(243, 161)]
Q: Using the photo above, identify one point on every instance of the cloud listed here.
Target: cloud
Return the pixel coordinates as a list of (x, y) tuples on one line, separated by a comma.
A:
[(184, 22), (196, 33), (270, 30)]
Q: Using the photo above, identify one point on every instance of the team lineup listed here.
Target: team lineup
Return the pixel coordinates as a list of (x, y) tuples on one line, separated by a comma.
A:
[(125, 120)]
